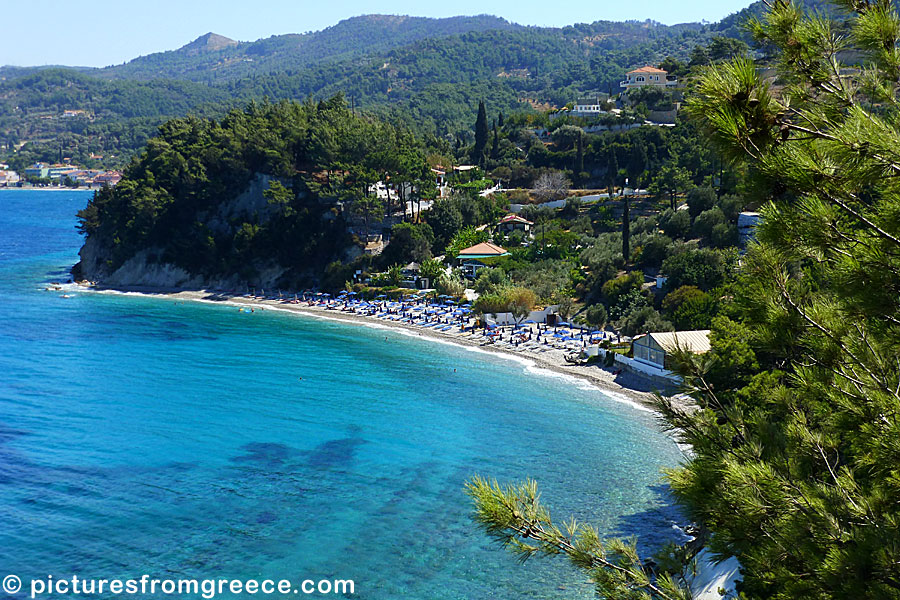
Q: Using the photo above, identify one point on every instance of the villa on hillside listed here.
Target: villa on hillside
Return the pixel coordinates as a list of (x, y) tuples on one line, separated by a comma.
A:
[(470, 258), (513, 222), (647, 76), (655, 349)]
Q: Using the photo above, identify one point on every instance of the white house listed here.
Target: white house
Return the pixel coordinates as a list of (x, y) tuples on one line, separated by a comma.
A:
[(589, 106), (513, 222), (747, 223)]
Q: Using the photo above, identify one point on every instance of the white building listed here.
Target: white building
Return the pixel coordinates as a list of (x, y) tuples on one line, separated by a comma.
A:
[(8, 178), (747, 223), (654, 348), (589, 106)]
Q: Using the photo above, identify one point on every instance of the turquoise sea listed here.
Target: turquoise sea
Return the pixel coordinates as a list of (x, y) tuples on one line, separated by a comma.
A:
[(144, 435)]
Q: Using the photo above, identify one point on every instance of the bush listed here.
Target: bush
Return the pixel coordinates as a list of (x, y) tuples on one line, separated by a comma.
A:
[(409, 242), (596, 315), (688, 308), (655, 250), (432, 269), (675, 224), (571, 209), (490, 281), (642, 320), (700, 199), (724, 235), (732, 206), (613, 289), (545, 278), (707, 220), (703, 268), (451, 285), (465, 238)]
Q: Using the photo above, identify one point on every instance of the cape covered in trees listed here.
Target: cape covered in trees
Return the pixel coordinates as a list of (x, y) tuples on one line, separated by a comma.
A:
[(256, 197)]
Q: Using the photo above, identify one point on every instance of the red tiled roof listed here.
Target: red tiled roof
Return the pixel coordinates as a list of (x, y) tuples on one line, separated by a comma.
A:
[(515, 219), (647, 69), (483, 249)]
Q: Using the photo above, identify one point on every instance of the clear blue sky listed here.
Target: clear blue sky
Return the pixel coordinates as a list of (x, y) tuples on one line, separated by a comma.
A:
[(104, 32)]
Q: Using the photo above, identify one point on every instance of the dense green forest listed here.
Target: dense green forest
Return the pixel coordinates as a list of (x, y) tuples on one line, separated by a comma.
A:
[(427, 73), (320, 159), (222, 59)]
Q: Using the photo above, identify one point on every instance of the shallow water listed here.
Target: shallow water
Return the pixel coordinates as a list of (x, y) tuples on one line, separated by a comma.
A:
[(145, 435)]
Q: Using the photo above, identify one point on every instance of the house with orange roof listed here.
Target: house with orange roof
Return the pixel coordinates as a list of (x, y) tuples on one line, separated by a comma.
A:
[(647, 76), (471, 259)]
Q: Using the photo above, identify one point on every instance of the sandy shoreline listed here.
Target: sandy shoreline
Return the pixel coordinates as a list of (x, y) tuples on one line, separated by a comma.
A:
[(627, 386)]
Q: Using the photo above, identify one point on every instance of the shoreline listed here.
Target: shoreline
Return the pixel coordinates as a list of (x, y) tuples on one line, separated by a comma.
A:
[(624, 387)]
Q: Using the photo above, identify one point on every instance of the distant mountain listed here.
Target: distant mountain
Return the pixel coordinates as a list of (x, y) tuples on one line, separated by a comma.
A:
[(214, 58), (429, 73), (210, 42)]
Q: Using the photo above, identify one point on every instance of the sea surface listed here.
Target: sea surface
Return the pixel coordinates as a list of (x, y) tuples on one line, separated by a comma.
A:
[(147, 435)]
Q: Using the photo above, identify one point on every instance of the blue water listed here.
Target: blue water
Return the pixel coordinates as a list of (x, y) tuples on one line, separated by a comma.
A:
[(144, 435)]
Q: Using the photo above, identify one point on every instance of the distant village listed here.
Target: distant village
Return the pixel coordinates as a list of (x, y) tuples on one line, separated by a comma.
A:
[(57, 175)]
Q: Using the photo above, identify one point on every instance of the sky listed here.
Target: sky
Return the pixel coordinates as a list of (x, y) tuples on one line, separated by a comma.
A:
[(108, 32)]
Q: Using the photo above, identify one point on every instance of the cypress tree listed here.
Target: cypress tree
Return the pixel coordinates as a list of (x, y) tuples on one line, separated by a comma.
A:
[(481, 134), (500, 120), (579, 157), (495, 147), (612, 171)]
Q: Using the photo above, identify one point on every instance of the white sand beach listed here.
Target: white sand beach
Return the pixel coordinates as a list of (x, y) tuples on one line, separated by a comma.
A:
[(621, 385)]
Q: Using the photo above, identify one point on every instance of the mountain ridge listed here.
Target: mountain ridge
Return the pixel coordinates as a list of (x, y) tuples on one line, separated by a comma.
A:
[(208, 42), (428, 73)]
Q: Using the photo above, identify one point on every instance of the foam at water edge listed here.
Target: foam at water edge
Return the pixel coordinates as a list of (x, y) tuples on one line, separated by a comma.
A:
[(530, 366)]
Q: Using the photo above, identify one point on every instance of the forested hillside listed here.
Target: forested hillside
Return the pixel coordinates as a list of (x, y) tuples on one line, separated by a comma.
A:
[(430, 73), (357, 36)]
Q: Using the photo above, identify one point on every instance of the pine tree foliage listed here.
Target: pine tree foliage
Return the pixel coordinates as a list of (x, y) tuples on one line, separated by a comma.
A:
[(796, 464), (514, 516), (795, 468)]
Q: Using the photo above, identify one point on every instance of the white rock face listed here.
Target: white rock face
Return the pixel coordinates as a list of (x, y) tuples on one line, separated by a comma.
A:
[(144, 271), (715, 581), (138, 271)]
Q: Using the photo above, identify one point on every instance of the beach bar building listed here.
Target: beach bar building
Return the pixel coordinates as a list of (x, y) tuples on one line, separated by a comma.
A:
[(655, 349), (471, 259)]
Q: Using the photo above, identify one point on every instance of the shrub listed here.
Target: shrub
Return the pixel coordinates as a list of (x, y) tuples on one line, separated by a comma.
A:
[(688, 307), (596, 315), (700, 199), (655, 250), (702, 268), (704, 223), (675, 224), (614, 288), (723, 235)]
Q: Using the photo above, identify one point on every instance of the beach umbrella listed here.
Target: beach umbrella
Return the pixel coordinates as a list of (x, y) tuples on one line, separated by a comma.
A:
[(528, 322), (564, 324)]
